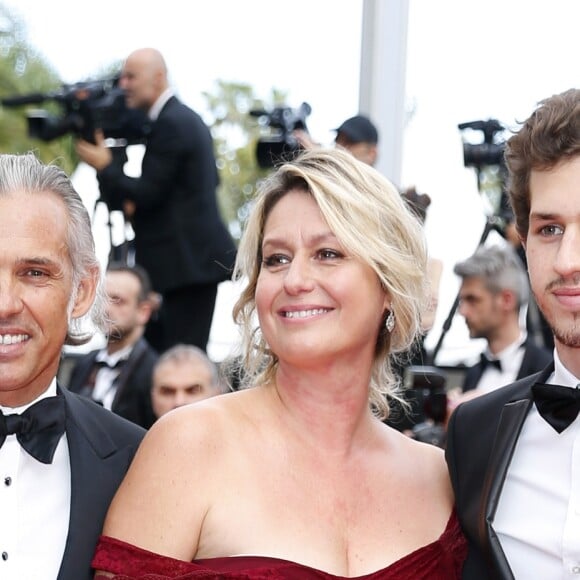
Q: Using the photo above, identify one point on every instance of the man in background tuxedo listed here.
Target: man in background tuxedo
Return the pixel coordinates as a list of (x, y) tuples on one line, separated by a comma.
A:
[(494, 288), (119, 376), (513, 453), (180, 238), (62, 456)]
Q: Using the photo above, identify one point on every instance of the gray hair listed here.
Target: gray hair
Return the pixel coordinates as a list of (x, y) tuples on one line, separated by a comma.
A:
[(185, 352), (499, 268), (26, 173)]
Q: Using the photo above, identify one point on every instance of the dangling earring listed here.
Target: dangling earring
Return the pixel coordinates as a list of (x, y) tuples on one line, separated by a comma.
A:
[(390, 321)]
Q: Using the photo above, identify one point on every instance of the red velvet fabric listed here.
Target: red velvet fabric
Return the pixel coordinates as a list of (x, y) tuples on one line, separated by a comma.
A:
[(440, 560)]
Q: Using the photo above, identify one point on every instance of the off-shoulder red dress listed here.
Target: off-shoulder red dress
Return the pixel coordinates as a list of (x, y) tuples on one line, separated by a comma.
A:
[(441, 560)]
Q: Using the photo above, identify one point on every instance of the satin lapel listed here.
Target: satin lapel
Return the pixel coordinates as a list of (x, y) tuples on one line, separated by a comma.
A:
[(94, 458), (127, 370), (510, 424)]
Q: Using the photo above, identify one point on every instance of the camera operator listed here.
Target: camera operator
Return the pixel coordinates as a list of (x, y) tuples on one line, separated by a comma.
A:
[(180, 238), (357, 134)]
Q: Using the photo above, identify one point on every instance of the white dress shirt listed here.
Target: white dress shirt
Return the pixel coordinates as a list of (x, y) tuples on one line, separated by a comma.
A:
[(511, 359), (34, 507), (538, 514), (105, 388)]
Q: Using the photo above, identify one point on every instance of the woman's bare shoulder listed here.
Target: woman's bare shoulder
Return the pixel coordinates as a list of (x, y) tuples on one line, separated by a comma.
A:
[(176, 476)]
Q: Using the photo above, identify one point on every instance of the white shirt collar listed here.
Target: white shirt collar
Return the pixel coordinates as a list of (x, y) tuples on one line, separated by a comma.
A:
[(561, 375), (113, 359), (159, 104), (509, 351)]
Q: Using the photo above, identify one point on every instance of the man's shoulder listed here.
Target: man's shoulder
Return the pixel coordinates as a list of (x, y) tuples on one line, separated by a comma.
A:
[(175, 110), (499, 397), (144, 353), (90, 416)]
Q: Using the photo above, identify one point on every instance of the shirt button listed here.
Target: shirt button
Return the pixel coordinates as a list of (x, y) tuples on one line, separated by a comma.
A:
[(575, 569), (4, 556), (7, 481)]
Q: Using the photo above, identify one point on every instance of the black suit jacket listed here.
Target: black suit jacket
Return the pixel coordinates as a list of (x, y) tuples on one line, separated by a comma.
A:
[(133, 397), (535, 359), (101, 447), (481, 438), (180, 238)]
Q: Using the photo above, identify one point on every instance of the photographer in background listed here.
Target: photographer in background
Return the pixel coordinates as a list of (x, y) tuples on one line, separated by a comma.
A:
[(180, 238), (357, 135)]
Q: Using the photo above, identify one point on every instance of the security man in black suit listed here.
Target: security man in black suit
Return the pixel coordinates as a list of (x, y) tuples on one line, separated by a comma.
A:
[(62, 456), (180, 238), (120, 375)]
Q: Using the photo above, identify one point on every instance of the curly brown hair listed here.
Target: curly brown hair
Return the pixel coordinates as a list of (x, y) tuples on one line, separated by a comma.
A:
[(550, 135)]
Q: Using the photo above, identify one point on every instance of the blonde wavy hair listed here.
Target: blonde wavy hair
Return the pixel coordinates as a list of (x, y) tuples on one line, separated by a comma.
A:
[(371, 219)]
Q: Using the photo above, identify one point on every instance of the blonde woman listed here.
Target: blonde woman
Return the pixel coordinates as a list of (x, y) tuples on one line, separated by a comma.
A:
[(297, 476)]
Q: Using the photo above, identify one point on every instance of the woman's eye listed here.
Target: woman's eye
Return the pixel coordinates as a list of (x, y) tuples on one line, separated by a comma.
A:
[(275, 260), (327, 254)]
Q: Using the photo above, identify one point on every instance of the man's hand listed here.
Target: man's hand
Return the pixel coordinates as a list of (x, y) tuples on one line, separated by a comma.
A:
[(98, 156)]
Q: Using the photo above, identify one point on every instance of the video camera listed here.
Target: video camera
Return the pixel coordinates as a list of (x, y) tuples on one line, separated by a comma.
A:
[(428, 394), (87, 106), (281, 145), (491, 151)]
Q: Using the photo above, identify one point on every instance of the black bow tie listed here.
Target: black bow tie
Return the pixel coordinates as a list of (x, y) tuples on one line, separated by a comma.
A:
[(558, 405), (38, 429), (484, 362), (99, 364)]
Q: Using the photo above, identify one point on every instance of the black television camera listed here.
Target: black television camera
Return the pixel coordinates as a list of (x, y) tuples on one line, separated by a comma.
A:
[(491, 151), (428, 395), (281, 145), (87, 106)]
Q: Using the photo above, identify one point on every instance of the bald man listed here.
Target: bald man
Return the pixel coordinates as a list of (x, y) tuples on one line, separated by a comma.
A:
[(180, 238)]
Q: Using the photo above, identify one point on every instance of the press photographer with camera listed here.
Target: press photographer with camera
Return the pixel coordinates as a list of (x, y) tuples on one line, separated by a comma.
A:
[(180, 237)]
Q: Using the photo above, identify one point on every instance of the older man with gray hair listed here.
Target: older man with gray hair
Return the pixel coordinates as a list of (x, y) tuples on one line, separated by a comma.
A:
[(61, 455)]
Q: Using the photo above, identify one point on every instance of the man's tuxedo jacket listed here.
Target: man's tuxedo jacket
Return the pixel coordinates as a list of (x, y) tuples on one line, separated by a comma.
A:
[(101, 447), (481, 438), (133, 397), (535, 359), (180, 237)]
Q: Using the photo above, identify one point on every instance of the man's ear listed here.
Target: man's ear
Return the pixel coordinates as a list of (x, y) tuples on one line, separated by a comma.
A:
[(86, 292), (509, 299), (144, 309)]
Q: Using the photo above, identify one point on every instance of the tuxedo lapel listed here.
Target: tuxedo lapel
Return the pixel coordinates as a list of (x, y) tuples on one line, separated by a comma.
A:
[(472, 377), (127, 370), (510, 424), (96, 464), (511, 421)]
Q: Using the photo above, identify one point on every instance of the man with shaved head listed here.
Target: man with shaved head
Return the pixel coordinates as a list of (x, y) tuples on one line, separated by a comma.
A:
[(180, 238)]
